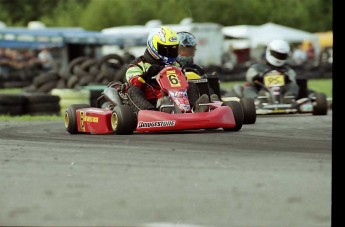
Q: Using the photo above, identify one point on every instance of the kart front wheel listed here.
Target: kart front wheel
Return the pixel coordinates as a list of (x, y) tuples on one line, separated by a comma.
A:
[(70, 117), (123, 120)]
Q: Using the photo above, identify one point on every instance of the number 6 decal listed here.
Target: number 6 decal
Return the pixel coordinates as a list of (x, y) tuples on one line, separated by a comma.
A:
[(173, 80)]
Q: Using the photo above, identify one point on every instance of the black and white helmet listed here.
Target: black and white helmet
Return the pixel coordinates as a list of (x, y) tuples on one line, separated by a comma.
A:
[(277, 52)]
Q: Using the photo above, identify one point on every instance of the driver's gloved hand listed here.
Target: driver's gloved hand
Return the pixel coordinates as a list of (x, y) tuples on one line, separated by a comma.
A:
[(152, 71)]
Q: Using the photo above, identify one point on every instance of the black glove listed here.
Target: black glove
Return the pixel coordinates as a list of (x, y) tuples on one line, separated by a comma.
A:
[(152, 71)]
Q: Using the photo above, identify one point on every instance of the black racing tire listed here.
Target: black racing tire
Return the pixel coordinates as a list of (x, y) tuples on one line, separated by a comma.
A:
[(72, 81), (40, 98), (86, 80), (64, 72), (107, 71), (249, 110), (47, 87), (112, 65), (12, 99), (110, 58), (238, 115), (87, 64), (71, 117), (61, 83), (94, 70), (44, 78), (123, 120), (76, 61), (30, 89), (321, 104), (12, 110), (78, 71), (42, 109), (100, 77), (12, 104)]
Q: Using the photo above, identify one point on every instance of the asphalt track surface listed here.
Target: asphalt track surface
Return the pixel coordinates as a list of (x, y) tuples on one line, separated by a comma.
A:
[(276, 172)]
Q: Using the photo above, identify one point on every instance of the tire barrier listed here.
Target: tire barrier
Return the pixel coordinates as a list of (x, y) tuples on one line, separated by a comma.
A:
[(18, 78), (41, 104), (29, 104), (82, 71), (54, 103), (81, 82), (11, 104)]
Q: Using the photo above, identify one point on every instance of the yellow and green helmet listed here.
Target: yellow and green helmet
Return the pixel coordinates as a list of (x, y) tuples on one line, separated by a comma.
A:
[(162, 44)]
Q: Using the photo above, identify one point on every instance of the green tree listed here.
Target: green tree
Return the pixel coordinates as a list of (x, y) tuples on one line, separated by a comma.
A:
[(20, 12), (309, 15)]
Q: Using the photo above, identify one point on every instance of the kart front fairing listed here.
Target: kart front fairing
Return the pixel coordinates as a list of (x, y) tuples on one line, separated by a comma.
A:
[(150, 120)]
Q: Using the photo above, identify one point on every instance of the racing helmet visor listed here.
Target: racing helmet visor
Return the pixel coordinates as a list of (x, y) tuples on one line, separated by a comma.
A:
[(278, 55), (170, 51)]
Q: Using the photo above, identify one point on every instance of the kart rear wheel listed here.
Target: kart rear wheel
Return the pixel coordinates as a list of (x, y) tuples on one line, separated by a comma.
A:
[(71, 117), (238, 115), (123, 120), (249, 110), (320, 105)]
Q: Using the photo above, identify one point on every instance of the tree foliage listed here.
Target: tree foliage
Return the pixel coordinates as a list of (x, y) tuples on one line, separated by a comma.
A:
[(308, 15)]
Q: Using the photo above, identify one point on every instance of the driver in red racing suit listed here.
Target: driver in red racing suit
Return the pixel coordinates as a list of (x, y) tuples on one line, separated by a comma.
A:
[(162, 49)]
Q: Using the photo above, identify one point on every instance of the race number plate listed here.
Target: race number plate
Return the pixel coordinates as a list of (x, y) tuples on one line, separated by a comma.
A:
[(274, 80), (173, 79)]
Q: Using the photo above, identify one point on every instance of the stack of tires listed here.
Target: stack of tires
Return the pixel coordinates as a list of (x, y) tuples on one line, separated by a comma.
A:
[(41, 104), (81, 71), (79, 83), (43, 83), (12, 77), (29, 104), (11, 104)]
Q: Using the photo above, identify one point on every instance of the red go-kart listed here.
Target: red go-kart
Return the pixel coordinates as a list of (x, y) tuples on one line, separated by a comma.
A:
[(121, 119)]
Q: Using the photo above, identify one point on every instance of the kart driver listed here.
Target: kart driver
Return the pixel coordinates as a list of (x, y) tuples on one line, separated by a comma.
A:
[(186, 53), (161, 50), (276, 56)]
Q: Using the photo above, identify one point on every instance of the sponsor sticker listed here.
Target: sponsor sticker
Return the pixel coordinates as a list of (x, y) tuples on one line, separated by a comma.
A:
[(84, 118), (153, 124)]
